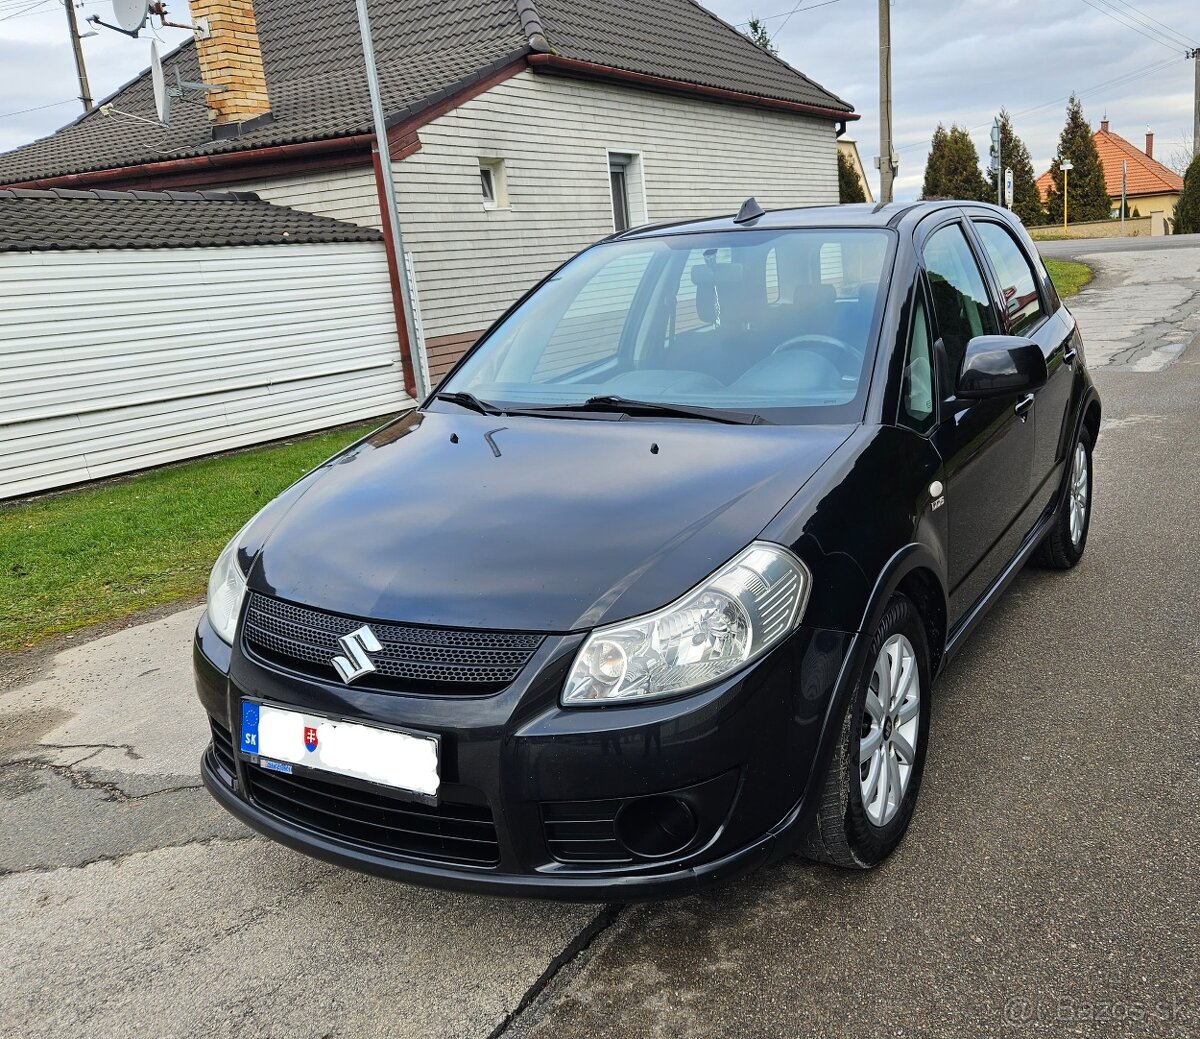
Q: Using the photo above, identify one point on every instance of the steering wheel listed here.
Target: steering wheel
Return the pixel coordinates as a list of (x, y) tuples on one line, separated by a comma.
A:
[(846, 359)]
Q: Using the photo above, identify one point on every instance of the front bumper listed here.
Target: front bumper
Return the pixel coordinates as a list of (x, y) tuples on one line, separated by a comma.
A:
[(741, 754)]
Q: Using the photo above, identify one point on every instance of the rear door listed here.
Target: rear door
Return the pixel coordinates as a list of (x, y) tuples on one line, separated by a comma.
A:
[(987, 445), (1029, 309)]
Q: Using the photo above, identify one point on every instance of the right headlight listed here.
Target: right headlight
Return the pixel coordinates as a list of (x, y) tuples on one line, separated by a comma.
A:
[(732, 617), (226, 589)]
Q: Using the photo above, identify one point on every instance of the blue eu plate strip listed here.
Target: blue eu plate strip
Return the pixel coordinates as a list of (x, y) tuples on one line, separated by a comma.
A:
[(249, 727)]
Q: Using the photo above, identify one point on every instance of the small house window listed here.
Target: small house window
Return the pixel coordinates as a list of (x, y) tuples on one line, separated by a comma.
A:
[(493, 186), (625, 186)]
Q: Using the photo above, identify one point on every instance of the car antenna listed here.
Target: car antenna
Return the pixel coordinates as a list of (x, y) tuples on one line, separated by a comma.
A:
[(749, 212)]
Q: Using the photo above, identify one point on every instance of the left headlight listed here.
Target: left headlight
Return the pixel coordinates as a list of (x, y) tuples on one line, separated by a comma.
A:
[(732, 617), (226, 589)]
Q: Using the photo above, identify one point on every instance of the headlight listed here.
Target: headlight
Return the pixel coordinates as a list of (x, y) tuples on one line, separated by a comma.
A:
[(735, 615), (226, 589)]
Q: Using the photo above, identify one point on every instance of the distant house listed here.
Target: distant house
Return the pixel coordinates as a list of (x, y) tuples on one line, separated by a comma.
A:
[(849, 149), (522, 131), (1150, 186)]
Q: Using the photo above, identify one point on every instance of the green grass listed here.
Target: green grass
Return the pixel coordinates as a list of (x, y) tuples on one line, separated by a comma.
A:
[(102, 552), (1068, 276)]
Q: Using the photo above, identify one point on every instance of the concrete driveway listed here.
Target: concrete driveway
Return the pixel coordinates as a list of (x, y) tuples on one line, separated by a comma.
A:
[(1050, 884)]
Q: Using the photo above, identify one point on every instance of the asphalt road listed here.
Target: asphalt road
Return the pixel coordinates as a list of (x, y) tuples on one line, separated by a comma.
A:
[(1050, 883), (1073, 247)]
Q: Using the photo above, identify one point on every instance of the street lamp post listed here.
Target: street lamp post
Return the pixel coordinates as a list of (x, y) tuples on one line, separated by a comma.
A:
[(1066, 166)]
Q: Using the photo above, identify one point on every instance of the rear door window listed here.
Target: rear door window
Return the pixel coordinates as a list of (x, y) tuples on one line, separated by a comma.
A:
[(1018, 283)]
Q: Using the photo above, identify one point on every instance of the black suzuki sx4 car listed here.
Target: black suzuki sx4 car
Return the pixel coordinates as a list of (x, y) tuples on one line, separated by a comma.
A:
[(655, 588)]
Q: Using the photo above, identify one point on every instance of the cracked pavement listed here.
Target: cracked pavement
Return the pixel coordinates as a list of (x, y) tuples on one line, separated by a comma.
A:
[(1050, 884)]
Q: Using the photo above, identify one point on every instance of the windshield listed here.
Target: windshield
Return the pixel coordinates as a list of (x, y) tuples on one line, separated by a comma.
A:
[(777, 323)]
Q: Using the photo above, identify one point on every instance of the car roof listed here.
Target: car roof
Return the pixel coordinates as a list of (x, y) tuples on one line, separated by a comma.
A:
[(891, 214)]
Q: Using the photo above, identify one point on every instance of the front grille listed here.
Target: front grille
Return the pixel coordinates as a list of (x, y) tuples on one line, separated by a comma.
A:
[(460, 833), (222, 745), (583, 831), (413, 659)]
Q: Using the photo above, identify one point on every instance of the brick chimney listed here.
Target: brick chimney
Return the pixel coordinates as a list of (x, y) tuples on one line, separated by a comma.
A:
[(1149, 143), (230, 57), (1104, 126)]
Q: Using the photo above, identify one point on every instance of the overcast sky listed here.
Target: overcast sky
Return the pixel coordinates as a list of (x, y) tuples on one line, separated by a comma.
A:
[(952, 62)]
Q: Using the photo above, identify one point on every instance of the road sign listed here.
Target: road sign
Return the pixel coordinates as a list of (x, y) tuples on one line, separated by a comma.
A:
[(1008, 187)]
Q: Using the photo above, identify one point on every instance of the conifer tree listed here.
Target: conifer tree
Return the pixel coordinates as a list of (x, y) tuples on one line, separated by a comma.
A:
[(1087, 196), (1027, 200), (1187, 209), (952, 169), (850, 188)]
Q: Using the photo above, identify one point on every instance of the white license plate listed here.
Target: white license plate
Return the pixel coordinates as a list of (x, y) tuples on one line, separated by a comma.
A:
[(281, 739)]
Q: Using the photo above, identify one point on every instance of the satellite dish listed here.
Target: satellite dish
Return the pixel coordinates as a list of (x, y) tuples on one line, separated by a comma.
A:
[(162, 99), (131, 14)]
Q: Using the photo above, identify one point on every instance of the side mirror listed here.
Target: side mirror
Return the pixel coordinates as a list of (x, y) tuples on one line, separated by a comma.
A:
[(1001, 366)]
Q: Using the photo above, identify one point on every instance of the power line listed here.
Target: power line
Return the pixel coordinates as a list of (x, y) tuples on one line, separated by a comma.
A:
[(27, 7), (788, 14), (1124, 78), (1145, 15), (38, 108), (1122, 19)]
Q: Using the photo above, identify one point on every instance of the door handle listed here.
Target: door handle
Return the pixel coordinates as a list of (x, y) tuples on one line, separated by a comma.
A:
[(1023, 406), (1069, 355)]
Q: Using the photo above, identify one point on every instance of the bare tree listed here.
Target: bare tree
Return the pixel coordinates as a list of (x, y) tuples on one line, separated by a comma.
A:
[(1179, 158)]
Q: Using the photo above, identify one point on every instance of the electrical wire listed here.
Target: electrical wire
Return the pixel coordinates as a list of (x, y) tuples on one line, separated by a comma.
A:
[(1121, 19), (23, 10), (40, 108), (788, 14), (1123, 79), (1144, 17)]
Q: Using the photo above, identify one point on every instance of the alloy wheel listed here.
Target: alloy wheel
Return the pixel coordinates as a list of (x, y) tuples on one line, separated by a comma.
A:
[(1079, 494), (890, 729)]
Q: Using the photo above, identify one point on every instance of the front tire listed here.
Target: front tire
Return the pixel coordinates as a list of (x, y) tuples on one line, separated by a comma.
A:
[(1063, 546), (873, 781)]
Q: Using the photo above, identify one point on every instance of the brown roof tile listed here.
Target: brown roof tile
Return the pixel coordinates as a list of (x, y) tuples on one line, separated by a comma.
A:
[(425, 49)]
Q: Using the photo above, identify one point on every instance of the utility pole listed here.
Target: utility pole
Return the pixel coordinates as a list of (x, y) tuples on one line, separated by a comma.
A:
[(85, 92), (388, 189), (1194, 54), (887, 154)]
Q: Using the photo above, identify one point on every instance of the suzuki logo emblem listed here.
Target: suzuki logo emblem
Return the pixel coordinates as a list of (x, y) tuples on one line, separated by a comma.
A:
[(356, 646)]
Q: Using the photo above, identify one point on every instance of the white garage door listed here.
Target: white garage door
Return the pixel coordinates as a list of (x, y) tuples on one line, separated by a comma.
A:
[(115, 360)]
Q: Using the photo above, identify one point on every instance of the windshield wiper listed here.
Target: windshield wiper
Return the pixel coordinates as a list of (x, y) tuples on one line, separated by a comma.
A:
[(468, 401), (612, 402)]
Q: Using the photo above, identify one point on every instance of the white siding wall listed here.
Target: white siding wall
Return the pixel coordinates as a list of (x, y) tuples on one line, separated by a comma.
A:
[(341, 194), (554, 134), (117, 360)]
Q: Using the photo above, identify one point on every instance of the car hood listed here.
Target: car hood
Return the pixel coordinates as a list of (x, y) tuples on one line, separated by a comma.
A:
[(527, 523)]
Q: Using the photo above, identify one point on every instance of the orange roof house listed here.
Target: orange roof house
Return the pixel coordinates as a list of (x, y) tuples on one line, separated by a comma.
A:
[(1149, 184)]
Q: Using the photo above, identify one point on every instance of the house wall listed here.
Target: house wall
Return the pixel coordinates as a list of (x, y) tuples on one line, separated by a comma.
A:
[(117, 360), (695, 158), (1147, 204)]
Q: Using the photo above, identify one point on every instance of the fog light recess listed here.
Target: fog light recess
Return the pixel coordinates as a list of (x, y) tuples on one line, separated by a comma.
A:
[(655, 827)]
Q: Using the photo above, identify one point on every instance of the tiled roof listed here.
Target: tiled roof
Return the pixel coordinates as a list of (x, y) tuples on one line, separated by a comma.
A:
[(425, 50), (1144, 175), (58, 218)]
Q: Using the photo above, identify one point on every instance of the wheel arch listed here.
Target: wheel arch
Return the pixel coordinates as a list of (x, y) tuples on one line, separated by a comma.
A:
[(1091, 419), (913, 571)]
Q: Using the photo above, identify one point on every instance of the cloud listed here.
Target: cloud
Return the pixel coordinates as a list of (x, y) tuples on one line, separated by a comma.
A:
[(951, 63), (960, 63)]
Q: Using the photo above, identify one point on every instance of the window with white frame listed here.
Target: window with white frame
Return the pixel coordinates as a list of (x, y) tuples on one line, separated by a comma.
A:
[(493, 184), (625, 185)]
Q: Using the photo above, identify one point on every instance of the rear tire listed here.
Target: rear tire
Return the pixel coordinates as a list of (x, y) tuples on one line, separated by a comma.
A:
[(1063, 546), (875, 775)]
